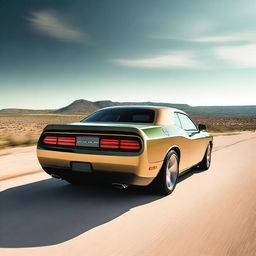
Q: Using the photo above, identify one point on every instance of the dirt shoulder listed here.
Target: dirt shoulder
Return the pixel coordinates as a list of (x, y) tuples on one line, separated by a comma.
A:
[(16, 162)]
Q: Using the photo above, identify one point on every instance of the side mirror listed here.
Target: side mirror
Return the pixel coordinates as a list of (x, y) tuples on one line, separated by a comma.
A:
[(202, 127)]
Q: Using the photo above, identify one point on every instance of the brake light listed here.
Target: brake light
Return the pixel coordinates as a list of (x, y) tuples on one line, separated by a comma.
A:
[(120, 144), (50, 140), (56, 140), (109, 143), (104, 143), (66, 141), (129, 144)]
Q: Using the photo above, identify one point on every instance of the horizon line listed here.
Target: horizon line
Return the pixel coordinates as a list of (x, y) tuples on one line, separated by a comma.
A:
[(154, 102)]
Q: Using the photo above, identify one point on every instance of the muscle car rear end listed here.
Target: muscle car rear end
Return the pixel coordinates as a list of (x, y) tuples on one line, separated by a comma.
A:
[(124, 145)]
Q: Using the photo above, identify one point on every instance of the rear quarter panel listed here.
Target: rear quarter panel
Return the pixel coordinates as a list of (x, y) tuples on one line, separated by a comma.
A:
[(159, 140)]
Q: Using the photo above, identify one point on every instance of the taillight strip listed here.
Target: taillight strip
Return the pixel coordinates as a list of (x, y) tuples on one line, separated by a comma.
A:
[(129, 144), (105, 143), (120, 144), (109, 143), (109, 146), (50, 140), (64, 141)]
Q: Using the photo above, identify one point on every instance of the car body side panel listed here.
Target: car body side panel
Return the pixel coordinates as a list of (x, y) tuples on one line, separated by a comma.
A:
[(192, 148), (199, 144)]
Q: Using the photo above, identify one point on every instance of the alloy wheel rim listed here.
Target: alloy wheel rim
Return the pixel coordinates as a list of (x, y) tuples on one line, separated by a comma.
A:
[(171, 172)]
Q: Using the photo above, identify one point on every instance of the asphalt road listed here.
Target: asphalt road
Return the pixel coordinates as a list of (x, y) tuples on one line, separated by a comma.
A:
[(209, 213)]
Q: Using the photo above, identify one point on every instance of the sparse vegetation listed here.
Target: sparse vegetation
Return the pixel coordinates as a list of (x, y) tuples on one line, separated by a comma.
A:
[(227, 124), (18, 129), (15, 142), (24, 129)]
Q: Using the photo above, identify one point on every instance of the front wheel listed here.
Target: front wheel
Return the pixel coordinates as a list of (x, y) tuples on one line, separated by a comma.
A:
[(206, 162), (166, 180)]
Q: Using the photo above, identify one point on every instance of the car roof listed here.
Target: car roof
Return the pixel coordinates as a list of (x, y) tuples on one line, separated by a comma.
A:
[(163, 114), (145, 107)]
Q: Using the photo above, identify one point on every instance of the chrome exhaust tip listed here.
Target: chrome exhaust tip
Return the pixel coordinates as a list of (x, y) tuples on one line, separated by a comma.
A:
[(120, 185)]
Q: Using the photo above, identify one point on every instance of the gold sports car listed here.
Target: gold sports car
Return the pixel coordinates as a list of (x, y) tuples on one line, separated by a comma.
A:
[(127, 145)]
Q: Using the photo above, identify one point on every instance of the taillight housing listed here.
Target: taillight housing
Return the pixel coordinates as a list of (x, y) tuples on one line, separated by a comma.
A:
[(109, 143), (66, 141), (50, 140), (59, 140), (129, 144), (126, 144), (105, 143)]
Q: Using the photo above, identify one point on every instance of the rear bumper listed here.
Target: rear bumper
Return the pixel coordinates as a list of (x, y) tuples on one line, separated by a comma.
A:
[(133, 170), (103, 176)]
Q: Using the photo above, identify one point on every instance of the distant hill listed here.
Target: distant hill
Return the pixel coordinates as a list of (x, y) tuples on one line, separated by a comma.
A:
[(79, 107), (85, 107)]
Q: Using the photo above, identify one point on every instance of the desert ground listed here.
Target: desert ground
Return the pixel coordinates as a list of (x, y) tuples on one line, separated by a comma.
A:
[(209, 213), (24, 129), (227, 124)]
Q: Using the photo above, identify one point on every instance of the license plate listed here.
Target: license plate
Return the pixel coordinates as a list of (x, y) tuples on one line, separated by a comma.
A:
[(87, 141), (81, 167)]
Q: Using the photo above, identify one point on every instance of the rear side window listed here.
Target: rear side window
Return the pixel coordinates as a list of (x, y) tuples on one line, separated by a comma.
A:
[(122, 115), (186, 123)]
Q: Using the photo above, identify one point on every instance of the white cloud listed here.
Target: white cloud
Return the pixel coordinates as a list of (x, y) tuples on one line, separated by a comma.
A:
[(52, 25), (249, 37), (172, 60), (243, 56), (243, 37), (217, 39)]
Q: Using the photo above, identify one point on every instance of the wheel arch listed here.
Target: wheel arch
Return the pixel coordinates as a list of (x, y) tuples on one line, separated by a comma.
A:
[(177, 150), (174, 147), (159, 177)]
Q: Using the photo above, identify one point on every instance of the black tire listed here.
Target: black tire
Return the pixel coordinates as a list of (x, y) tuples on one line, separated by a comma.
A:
[(206, 162), (161, 184)]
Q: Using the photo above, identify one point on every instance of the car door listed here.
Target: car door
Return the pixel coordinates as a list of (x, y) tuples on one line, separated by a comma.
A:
[(195, 143)]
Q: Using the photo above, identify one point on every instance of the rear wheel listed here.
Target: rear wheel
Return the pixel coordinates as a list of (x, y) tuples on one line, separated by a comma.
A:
[(166, 180), (206, 162)]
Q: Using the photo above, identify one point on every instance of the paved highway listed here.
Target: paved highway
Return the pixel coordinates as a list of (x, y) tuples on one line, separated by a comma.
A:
[(209, 213)]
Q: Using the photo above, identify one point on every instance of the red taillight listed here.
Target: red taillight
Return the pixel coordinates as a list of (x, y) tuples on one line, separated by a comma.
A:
[(122, 144), (50, 140), (66, 141), (129, 144), (109, 143)]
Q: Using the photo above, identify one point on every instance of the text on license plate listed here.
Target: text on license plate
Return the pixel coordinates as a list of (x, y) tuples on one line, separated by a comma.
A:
[(87, 141)]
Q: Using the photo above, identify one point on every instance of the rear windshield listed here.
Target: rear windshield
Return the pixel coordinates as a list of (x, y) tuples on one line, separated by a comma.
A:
[(122, 115)]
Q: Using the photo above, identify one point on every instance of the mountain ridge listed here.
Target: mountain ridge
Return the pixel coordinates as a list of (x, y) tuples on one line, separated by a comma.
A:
[(85, 107)]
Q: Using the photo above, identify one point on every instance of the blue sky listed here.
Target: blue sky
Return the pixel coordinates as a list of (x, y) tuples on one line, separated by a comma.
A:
[(194, 52)]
